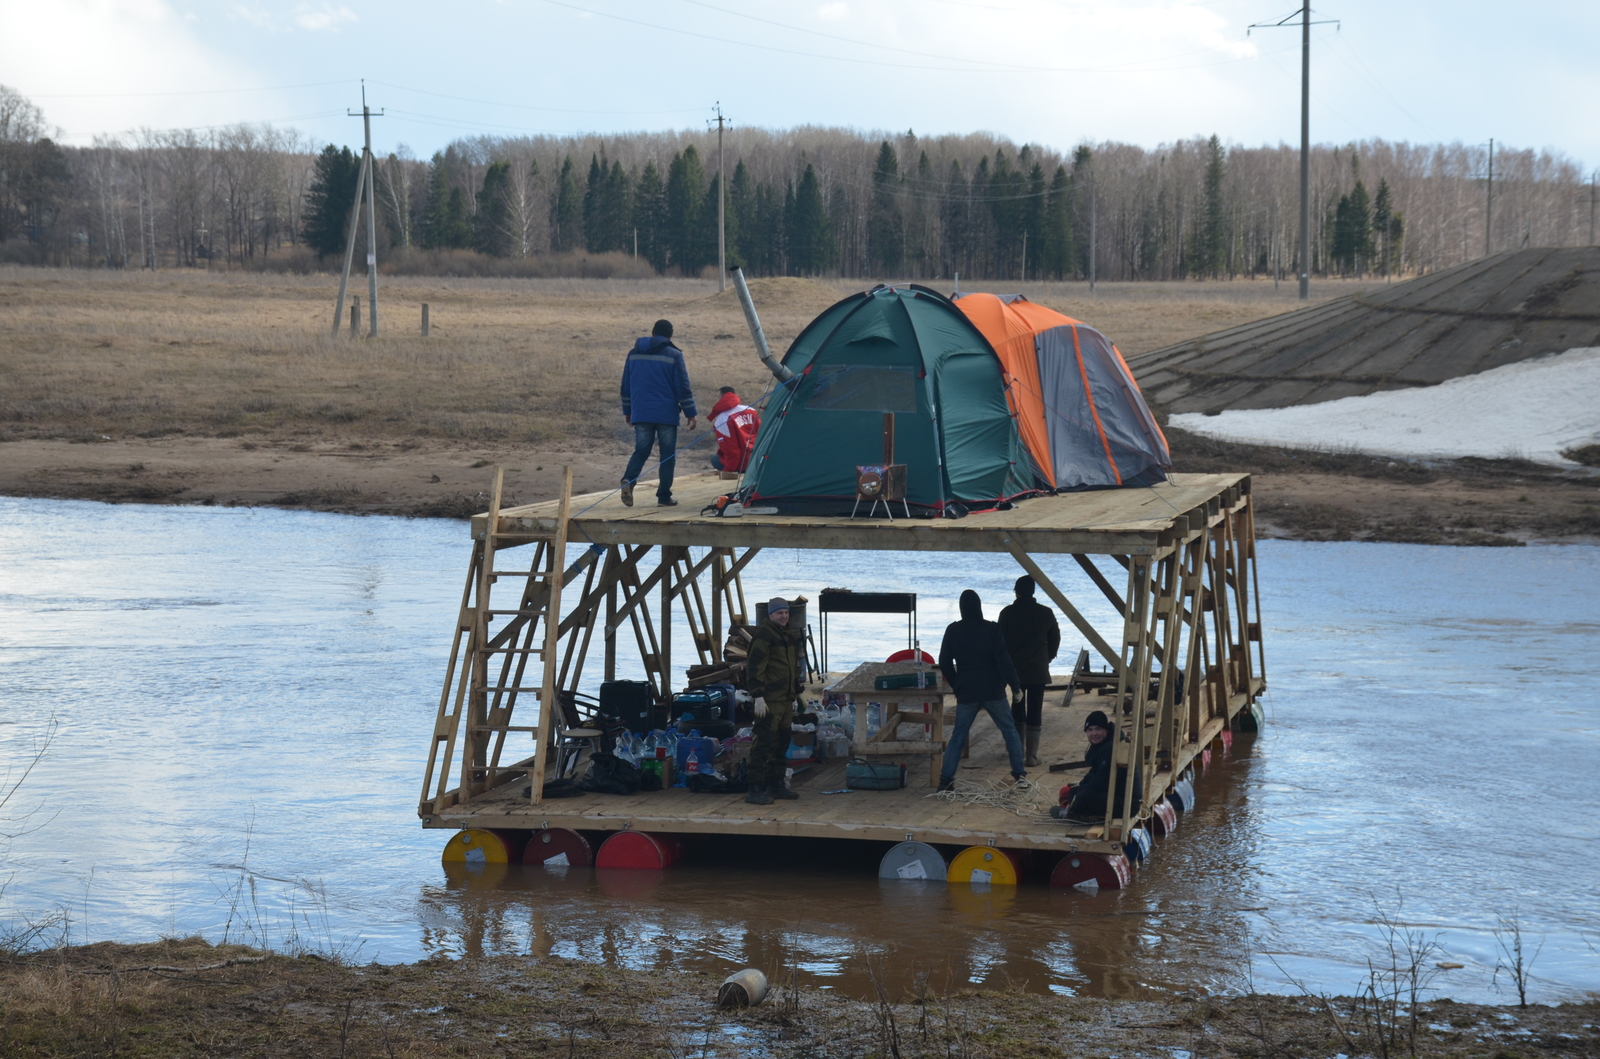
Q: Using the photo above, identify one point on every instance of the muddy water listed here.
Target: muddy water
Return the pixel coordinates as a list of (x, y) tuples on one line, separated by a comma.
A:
[(243, 696)]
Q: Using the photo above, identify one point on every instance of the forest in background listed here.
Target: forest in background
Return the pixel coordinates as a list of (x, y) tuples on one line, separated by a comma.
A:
[(802, 201)]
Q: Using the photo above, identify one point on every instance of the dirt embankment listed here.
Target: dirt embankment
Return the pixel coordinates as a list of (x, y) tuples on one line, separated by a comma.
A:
[(187, 998), (195, 388)]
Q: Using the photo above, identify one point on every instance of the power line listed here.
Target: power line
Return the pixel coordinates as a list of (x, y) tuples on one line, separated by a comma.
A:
[(190, 92), (526, 106)]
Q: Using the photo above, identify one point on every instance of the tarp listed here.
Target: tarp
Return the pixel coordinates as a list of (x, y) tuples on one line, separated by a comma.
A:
[(906, 351), (1077, 406)]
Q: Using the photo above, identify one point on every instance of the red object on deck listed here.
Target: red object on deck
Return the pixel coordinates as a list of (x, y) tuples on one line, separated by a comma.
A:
[(1165, 818), (908, 655), (1093, 871), (636, 849), (558, 846)]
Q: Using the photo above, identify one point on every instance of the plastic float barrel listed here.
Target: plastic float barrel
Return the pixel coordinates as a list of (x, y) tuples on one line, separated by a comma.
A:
[(476, 847), (558, 847), (1226, 735), (1163, 818), (985, 866), (1092, 871), (637, 849), (1203, 762), (1251, 719), (912, 860), (1137, 848), (1182, 794), (742, 989)]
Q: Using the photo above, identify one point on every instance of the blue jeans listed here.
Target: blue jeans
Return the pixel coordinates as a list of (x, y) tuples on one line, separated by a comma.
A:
[(645, 435), (999, 711)]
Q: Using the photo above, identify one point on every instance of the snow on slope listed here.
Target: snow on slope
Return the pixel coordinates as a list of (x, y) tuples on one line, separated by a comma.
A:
[(1533, 409)]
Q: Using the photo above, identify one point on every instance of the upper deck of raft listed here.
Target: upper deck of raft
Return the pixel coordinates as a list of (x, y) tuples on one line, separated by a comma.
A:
[(1128, 521)]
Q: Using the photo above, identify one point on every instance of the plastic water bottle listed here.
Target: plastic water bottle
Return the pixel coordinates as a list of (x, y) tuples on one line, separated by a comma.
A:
[(874, 718), (672, 743), (637, 747), (624, 752)]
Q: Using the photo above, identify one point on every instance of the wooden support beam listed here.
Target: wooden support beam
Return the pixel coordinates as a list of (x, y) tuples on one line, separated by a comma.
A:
[(552, 632), (1100, 579), (1060, 599)]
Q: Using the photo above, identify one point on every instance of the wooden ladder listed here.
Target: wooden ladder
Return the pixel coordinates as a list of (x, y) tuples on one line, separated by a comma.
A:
[(477, 705)]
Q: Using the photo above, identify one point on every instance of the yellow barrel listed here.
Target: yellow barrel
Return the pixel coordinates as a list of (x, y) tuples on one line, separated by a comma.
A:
[(983, 866), (477, 848)]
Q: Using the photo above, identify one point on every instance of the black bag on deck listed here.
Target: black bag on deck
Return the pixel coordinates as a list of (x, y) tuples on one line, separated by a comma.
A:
[(738, 782), (609, 774)]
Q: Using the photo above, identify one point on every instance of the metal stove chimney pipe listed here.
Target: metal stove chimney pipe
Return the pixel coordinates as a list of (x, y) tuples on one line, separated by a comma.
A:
[(782, 373)]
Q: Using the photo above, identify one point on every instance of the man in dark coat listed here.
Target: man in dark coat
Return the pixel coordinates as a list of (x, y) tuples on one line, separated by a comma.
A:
[(1088, 803), (1033, 636), (974, 662), (773, 676), (655, 389)]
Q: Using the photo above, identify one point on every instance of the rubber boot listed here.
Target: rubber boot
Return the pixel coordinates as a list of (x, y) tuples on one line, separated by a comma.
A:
[(779, 791), (758, 795), (1030, 756)]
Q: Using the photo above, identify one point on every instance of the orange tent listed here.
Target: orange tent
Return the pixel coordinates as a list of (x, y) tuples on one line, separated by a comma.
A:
[(1077, 406)]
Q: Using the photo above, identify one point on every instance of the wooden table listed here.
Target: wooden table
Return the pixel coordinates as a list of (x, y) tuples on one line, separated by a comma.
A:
[(901, 706)]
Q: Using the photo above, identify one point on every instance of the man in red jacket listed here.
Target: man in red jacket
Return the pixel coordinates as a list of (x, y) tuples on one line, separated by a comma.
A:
[(735, 425)]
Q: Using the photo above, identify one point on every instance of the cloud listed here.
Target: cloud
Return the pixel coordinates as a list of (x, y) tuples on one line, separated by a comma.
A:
[(835, 12), (326, 17)]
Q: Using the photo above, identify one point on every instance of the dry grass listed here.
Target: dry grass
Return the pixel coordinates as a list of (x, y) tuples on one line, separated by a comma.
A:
[(529, 361), (104, 1000)]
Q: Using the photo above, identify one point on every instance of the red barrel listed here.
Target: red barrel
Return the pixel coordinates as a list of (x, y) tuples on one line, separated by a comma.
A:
[(1164, 817), (558, 847), (1093, 871), (636, 849)]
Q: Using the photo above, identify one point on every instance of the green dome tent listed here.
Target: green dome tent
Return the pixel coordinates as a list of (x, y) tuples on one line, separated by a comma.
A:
[(905, 351)]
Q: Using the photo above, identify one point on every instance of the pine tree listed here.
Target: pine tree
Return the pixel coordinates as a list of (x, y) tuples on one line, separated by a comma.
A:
[(491, 225), (742, 252), (649, 216), (594, 234), (1210, 256), (1082, 178), (810, 236), (329, 199), (954, 209), (885, 224), (566, 221), (686, 192), (1382, 217), (1055, 243), (435, 211)]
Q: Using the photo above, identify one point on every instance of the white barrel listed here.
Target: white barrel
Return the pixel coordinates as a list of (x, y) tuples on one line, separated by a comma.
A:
[(742, 989)]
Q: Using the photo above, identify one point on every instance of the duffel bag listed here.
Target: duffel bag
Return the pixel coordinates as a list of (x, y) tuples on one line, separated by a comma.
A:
[(863, 775)]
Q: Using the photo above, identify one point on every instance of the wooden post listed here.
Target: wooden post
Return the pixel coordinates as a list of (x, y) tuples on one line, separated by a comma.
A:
[(557, 553), (472, 753), (355, 316), (668, 557), (424, 319), (612, 556)]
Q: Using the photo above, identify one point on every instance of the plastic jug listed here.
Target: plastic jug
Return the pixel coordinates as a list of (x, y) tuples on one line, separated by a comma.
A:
[(703, 749)]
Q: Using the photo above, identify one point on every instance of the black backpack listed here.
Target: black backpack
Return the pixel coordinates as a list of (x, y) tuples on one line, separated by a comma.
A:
[(609, 774)]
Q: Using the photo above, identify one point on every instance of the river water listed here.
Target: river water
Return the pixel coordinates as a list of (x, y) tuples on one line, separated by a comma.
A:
[(242, 699)]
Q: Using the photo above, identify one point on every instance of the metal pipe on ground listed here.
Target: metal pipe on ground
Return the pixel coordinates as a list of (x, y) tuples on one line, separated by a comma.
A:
[(781, 373)]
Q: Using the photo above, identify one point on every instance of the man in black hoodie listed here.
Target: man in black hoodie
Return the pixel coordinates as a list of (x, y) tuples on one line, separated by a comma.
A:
[(974, 662)]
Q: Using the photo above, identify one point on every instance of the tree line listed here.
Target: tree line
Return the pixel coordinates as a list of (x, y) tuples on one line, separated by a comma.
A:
[(804, 201)]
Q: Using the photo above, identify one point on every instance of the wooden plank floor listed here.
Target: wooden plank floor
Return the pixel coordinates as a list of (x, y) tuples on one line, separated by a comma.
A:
[(1124, 521), (868, 815)]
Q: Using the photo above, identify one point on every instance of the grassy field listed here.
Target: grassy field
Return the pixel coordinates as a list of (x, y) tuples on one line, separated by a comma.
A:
[(525, 361), (195, 387)]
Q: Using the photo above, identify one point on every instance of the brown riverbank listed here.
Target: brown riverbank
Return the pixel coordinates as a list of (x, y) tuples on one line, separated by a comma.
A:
[(196, 388), (184, 998)]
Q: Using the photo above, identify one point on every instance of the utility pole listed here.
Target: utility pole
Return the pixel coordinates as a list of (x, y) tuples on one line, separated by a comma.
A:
[(1305, 133), (722, 209), (1488, 203), (1592, 177), (365, 185)]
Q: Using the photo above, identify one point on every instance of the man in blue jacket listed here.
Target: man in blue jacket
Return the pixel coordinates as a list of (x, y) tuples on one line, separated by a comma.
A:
[(655, 388)]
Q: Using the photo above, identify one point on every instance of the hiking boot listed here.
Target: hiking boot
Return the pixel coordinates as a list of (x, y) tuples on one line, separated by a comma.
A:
[(627, 494), (1030, 756), (666, 502), (783, 793), (758, 796)]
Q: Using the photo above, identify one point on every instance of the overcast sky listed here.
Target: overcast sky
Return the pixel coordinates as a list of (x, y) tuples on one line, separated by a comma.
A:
[(1053, 72)]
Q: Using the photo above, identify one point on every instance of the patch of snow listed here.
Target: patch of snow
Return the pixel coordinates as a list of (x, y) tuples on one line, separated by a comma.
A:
[(1532, 410)]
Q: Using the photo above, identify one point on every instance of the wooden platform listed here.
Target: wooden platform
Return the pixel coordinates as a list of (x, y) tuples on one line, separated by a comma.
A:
[(885, 816), (1102, 521)]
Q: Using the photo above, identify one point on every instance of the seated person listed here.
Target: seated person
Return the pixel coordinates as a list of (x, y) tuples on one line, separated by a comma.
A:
[(735, 426), (1086, 802)]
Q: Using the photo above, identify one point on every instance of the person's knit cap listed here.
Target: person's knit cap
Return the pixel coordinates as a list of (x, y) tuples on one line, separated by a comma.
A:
[(775, 604), (1097, 719), (662, 329)]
